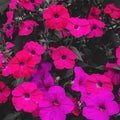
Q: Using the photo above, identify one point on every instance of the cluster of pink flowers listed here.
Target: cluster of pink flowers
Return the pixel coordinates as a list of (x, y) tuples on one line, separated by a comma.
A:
[(27, 4), (40, 91), (113, 11)]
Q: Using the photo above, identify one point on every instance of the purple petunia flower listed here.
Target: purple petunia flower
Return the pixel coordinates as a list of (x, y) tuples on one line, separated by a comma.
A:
[(100, 106), (42, 76), (112, 73), (55, 105), (80, 79)]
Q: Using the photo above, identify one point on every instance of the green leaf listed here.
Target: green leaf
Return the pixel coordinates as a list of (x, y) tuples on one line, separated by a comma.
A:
[(12, 116), (75, 50)]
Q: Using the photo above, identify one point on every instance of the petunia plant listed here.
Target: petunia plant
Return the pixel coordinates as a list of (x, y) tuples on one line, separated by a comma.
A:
[(60, 60)]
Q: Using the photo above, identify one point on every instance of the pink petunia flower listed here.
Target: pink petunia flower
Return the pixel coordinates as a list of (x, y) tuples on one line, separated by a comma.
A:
[(79, 80), (84, 96), (8, 27), (29, 4), (35, 49), (27, 27), (63, 34), (112, 10), (96, 28), (113, 74), (10, 31), (26, 97), (9, 45), (1, 59), (98, 82), (4, 65), (63, 58), (55, 105), (94, 13), (22, 65), (76, 110), (118, 55), (42, 76), (78, 27), (51, 50), (35, 113), (100, 106), (6, 70), (13, 3), (4, 92), (56, 17)]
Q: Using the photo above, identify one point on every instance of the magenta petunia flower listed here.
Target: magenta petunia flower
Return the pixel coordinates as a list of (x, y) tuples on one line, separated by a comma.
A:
[(10, 31), (42, 76), (35, 49), (118, 55), (79, 80), (63, 58), (78, 27), (27, 27), (97, 82), (4, 65), (1, 59), (63, 34), (76, 110), (26, 97), (56, 17), (9, 45), (22, 65), (35, 113), (8, 26), (94, 13), (100, 106), (4, 92), (29, 4), (113, 74), (6, 70), (112, 10), (84, 95), (13, 3), (96, 28), (55, 105)]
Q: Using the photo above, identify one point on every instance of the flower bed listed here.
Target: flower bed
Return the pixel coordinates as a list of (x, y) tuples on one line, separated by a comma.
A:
[(60, 60)]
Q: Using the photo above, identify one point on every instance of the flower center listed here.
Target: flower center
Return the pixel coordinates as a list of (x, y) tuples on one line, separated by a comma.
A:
[(28, 27), (47, 87), (27, 95), (76, 26), (43, 77), (93, 14), (0, 91), (80, 82), (56, 102), (21, 63), (99, 83), (33, 52), (56, 15), (93, 27), (64, 57), (102, 107), (112, 10)]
